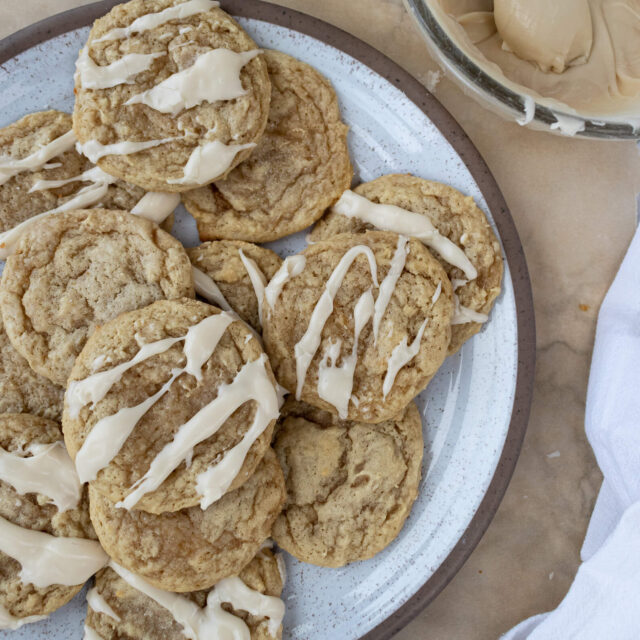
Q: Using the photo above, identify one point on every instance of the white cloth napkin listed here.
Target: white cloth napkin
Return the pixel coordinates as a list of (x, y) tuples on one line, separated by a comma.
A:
[(603, 602)]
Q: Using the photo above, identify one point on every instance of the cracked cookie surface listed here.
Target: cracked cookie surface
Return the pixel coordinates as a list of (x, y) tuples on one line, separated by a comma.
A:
[(300, 166), (73, 271), (455, 216), (350, 486), (118, 342), (192, 549)]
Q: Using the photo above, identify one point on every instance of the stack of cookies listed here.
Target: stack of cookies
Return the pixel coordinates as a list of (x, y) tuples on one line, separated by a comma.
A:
[(166, 412)]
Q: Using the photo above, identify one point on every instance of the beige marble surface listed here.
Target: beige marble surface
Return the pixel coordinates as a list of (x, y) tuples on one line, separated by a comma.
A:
[(574, 203)]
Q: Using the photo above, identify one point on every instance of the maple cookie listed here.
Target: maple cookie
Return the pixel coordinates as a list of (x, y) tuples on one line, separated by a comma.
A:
[(22, 390), (240, 270), (46, 551), (463, 240), (299, 168), (350, 485), (73, 271), (123, 605), (146, 110), (193, 549), (359, 323), (170, 407)]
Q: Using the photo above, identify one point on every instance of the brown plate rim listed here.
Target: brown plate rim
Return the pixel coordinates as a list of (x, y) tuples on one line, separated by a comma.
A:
[(83, 16)]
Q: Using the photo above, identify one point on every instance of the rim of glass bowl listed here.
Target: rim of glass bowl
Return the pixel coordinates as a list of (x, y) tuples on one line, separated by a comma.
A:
[(488, 89)]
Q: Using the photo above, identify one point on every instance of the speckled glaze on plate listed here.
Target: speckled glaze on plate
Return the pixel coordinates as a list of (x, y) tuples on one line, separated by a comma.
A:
[(476, 409)]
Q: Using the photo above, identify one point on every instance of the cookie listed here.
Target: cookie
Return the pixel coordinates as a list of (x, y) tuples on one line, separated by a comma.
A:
[(457, 218), (142, 84), (193, 549), (118, 608), (299, 168), (359, 323), (26, 511), (41, 171), (350, 485), (22, 390), (169, 407), (73, 271), (240, 270)]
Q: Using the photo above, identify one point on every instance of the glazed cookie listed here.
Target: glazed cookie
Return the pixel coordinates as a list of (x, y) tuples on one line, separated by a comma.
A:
[(73, 271), (169, 407), (41, 172), (22, 390), (456, 218), (145, 109), (359, 323), (299, 168), (240, 270), (350, 485), (193, 549), (122, 605), (46, 551)]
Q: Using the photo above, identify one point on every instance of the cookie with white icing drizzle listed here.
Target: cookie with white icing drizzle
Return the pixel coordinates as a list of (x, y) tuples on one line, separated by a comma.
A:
[(73, 271), (359, 323), (170, 407), (22, 390), (300, 166), (146, 107), (456, 218), (193, 549), (240, 270), (41, 172), (47, 547), (350, 485), (246, 606)]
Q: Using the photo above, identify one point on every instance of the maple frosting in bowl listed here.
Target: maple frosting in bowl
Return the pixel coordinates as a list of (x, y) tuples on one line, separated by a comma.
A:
[(571, 66)]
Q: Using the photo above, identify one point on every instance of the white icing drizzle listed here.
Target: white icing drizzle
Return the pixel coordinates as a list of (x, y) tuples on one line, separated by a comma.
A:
[(215, 75), (153, 20), (209, 161), (95, 150), (10, 167), (48, 560), (305, 349), (49, 471), (156, 206), (336, 382), (7, 621), (462, 314), (208, 289), (100, 605), (95, 175), (89, 75), (436, 294), (90, 634), (282, 567), (400, 356), (258, 279), (388, 217), (251, 383), (212, 621), (109, 434), (292, 266), (388, 285)]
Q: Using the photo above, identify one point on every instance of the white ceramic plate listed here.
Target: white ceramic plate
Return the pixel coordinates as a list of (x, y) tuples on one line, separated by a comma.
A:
[(467, 409)]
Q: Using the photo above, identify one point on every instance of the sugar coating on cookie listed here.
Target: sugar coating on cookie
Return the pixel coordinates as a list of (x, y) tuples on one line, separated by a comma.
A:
[(145, 109), (22, 390), (350, 485), (359, 323), (240, 270), (126, 606), (169, 407), (41, 504), (457, 219), (193, 549), (73, 271), (299, 168)]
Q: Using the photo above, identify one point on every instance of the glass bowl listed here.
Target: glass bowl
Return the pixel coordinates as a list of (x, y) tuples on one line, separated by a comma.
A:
[(501, 99)]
